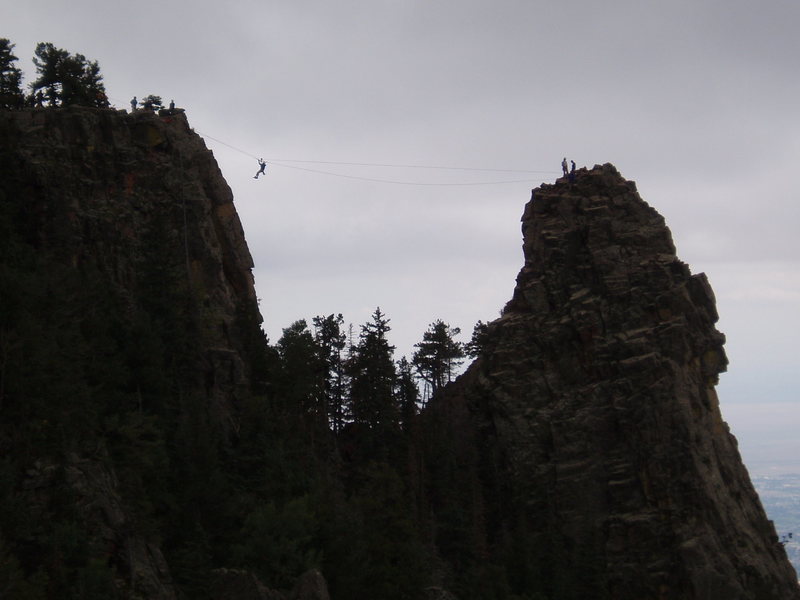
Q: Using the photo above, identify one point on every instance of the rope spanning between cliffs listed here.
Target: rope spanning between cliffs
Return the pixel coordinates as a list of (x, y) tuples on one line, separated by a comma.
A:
[(281, 162)]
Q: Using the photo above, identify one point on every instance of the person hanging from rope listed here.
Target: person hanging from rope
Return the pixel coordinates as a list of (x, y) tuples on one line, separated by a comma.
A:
[(263, 166)]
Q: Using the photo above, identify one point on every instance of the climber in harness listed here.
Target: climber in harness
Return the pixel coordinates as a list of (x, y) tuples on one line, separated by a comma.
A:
[(263, 166)]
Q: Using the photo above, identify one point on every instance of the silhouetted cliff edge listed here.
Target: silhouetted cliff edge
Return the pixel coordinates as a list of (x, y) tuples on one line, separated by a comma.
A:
[(595, 394), (129, 336)]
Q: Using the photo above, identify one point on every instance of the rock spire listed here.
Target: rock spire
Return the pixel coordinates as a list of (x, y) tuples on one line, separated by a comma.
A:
[(596, 387)]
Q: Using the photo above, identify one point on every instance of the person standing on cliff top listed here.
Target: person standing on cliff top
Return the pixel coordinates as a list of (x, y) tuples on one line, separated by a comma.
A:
[(133, 104), (263, 166), (564, 166), (572, 172)]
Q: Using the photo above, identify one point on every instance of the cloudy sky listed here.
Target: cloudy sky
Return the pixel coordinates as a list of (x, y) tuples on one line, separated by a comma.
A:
[(697, 101)]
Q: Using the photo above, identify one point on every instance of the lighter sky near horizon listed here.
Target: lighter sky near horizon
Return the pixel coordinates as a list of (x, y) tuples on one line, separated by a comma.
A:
[(695, 101)]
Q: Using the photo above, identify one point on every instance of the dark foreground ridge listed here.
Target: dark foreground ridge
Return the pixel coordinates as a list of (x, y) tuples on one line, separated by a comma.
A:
[(596, 390), (154, 446)]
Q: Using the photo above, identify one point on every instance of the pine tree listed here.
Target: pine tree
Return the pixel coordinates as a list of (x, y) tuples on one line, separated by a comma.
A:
[(10, 77), (373, 376), (331, 341), (407, 393), (480, 335), (92, 89), (67, 79), (49, 65), (300, 372), (438, 354)]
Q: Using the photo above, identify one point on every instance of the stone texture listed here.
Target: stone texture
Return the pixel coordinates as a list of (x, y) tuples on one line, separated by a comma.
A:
[(597, 387), (102, 184), (97, 188), (238, 584), (99, 508), (310, 586)]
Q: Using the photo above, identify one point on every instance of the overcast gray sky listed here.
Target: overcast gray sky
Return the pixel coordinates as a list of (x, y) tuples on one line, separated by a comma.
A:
[(697, 101)]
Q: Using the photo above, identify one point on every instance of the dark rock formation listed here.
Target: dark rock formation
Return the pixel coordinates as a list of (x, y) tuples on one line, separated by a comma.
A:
[(310, 586), (236, 584), (596, 390), (103, 516), (136, 205), (116, 191)]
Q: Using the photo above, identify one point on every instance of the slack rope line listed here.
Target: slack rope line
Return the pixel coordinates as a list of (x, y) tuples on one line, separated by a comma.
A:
[(359, 164), (281, 163), (375, 180)]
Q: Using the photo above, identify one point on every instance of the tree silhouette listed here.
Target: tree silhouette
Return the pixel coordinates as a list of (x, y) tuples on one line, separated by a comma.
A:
[(406, 392), (152, 102), (438, 354), (331, 341), (480, 335), (300, 368), (67, 79), (373, 375), (11, 95)]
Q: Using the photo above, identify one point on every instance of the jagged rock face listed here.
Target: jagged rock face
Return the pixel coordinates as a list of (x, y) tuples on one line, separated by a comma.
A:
[(99, 509), (118, 189), (139, 200), (597, 387)]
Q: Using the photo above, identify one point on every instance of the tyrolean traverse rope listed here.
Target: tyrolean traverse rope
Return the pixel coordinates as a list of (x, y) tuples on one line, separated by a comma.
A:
[(282, 162)]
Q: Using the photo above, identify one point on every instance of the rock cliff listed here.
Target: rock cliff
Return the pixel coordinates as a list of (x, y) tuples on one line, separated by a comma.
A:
[(595, 390), (127, 296), (124, 192)]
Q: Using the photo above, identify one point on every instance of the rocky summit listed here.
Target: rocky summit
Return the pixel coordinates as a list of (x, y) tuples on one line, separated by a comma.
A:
[(595, 393)]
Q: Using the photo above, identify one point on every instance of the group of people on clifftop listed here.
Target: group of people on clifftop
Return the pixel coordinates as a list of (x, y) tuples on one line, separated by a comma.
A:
[(569, 174), (150, 106)]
